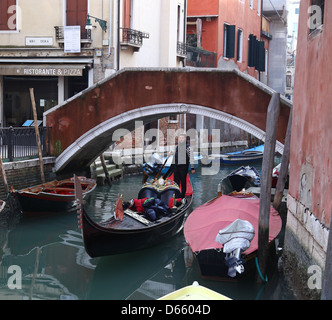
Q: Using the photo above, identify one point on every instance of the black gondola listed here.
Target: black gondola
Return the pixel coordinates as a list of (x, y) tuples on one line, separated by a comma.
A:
[(135, 231)]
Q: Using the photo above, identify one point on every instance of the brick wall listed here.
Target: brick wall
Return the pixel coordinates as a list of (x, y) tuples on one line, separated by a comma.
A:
[(22, 174)]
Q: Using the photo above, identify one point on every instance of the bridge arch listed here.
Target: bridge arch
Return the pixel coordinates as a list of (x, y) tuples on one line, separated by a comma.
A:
[(85, 146), (83, 126)]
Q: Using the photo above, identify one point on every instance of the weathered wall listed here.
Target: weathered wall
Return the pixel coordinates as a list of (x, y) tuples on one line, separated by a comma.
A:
[(22, 174), (310, 189)]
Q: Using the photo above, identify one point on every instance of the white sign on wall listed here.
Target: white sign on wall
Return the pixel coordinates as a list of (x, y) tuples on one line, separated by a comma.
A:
[(39, 41), (72, 39)]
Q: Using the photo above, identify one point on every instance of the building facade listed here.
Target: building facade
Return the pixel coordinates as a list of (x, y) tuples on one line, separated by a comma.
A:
[(275, 12), (309, 202), (67, 45), (232, 29)]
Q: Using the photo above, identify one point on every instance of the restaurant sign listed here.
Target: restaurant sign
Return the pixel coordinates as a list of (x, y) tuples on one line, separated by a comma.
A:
[(40, 70)]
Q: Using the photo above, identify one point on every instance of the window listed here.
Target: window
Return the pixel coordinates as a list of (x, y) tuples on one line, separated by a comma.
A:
[(316, 15), (259, 3), (256, 53), (239, 45), (229, 41), (251, 4), (8, 15)]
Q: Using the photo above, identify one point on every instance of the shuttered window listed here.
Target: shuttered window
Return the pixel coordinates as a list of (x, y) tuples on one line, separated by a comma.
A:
[(8, 15), (256, 53), (76, 14), (229, 41)]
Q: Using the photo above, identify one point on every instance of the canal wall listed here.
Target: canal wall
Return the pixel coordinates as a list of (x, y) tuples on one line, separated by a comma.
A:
[(305, 249), (22, 174)]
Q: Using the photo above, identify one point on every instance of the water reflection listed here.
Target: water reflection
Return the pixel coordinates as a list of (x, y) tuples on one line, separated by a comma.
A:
[(50, 253)]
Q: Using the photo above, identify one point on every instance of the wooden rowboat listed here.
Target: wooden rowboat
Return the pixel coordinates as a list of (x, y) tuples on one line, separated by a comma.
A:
[(135, 231), (53, 196)]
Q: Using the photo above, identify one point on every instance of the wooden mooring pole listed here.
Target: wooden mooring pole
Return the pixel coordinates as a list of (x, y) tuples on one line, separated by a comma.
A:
[(32, 96), (266, 182), (103, 163), (284, 166)]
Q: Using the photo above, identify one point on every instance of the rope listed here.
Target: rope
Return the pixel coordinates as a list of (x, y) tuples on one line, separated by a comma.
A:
[(259, 271)]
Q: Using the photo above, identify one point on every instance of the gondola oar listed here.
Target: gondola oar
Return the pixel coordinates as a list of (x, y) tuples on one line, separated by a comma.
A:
[(162, 167)]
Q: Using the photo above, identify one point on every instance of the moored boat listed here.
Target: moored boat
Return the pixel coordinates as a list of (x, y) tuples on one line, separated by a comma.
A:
[(223, 235), (53, 196), (242, 157), (194, 292), (136, 229), (242, 178)]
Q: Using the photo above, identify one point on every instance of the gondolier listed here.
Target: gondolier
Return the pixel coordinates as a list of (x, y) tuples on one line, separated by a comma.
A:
[(182, 159)]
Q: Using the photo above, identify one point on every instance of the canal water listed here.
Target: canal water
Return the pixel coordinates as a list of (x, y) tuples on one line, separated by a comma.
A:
[(48, 253)]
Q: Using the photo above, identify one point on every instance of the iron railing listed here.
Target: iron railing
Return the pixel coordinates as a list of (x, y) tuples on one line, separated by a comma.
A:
[(133, 37), (197, 57), (60, 35), (21, 143)]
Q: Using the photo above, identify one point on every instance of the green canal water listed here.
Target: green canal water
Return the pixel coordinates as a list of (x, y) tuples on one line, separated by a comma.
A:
[(43, 257)]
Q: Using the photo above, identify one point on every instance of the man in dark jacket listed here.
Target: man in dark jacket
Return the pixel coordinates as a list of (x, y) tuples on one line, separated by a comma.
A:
[(182, 159)]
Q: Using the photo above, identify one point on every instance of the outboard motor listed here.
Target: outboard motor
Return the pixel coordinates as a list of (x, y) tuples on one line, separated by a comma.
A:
[(235, 238)]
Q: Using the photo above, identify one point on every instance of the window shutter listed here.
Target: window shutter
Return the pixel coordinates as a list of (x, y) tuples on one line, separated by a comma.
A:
[(230, 45), (252, 51), (260, 61)]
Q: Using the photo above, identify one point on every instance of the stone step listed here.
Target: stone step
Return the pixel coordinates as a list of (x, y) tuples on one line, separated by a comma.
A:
[(100, 169), (113, 174)]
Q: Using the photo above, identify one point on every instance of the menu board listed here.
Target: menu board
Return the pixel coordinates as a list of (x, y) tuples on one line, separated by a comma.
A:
[(72, 39)]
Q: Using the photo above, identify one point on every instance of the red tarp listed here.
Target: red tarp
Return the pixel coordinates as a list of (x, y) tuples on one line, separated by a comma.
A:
[(204, 223)]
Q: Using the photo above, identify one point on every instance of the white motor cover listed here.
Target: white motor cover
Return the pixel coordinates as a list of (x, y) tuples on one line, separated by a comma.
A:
[(236, 235)]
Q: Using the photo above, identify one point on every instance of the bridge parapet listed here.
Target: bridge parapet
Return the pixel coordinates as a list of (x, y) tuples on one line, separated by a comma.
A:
[(82, 127)]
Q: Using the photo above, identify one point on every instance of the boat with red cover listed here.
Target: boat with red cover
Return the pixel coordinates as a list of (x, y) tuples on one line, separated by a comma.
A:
[(131, 229), (223, 234), (53, 196)]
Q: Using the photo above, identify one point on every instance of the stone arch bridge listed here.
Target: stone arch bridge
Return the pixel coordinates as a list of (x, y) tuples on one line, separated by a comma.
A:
[(82, 127)]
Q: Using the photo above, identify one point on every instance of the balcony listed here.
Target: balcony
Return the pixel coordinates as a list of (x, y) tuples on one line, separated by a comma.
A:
[(181, 50), (132, 38), (200, 58), (85, 36)]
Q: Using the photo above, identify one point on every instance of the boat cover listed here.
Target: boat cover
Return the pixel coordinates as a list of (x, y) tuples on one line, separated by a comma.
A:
[(204, 223), (236, 235)]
